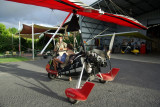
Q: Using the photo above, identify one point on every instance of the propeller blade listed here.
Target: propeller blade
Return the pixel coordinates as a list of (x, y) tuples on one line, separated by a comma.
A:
[(111, 45), (111, 42)]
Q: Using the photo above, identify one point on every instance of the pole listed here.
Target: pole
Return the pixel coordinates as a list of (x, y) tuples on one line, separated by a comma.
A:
[(74, 41), (32, 41), (79, 82), (55, 33), (19, 39), (12, 43)]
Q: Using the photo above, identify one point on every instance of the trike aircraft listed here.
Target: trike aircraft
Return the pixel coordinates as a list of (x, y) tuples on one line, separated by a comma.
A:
[(95, 58)]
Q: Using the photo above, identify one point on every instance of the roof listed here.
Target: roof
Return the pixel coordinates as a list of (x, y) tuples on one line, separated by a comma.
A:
[(132, 7), (26, 31), (39, 29)]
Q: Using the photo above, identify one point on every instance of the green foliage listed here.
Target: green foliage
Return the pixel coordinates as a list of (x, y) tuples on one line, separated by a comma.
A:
[(6, 43), (69, 40), (5, 60), (42, 42), (6, 40), (13, 30), (2, 28)]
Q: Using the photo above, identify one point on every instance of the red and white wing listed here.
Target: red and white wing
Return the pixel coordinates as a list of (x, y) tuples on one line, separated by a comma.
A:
[(85, 10)]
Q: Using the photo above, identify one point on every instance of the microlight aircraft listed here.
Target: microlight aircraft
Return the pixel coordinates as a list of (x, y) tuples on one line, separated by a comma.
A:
[(77, 7)]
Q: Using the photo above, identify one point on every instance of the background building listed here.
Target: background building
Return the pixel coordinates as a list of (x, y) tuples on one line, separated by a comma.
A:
[(145, 11)]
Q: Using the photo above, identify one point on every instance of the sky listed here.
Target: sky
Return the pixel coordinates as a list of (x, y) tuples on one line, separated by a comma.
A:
[(11, 13)]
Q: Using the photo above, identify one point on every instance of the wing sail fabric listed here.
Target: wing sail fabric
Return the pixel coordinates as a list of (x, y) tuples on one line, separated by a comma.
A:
[(85, 10)]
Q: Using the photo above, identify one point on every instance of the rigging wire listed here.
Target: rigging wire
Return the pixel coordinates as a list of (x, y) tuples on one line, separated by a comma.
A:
[(107, 4), (119, 8), (98, 34), (99, 5), (113, 7), (59, 19), (50, 15), (116, 7)]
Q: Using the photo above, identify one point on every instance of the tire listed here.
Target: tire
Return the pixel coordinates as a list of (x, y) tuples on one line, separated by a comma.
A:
[(45, 56), (51, 76), (73, 101), (102, 81)]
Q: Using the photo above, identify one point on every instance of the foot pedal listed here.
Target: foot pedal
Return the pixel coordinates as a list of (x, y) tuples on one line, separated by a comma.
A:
[(80, 94), (109, 76)]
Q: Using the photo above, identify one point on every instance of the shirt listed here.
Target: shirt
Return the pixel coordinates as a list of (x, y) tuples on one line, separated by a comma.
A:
[(59, 46)]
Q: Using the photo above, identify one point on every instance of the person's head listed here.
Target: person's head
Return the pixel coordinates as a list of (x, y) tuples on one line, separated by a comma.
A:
[(70, 46), (132, 40), (60, 39)]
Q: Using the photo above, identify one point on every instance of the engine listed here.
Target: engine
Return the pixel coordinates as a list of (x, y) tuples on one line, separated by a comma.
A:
[(95, 59)]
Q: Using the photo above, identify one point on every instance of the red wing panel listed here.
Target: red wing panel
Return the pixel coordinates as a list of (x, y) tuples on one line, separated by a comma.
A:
[(63, 5), (114, 18), (84, 10)]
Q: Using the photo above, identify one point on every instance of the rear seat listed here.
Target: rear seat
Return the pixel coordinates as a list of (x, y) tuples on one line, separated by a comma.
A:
[(69, 59)]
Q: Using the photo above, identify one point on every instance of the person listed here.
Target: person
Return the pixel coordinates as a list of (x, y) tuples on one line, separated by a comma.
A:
[(104, 48), (60, 46), (62, 59), (124, 44), (132, 44)]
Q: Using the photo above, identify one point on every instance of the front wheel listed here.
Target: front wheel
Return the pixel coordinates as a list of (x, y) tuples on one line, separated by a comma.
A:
[(102, 81), (73, 101), (45, 56), (51, 76)]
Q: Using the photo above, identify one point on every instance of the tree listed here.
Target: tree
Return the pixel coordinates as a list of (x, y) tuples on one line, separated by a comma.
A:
[(13, 30), (2, 28)]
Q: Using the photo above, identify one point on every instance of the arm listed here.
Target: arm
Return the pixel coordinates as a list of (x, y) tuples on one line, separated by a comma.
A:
[(64, 46), (55, 48)]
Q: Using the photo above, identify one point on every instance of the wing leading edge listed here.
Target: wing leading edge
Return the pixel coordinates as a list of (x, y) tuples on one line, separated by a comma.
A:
[(85, 10)]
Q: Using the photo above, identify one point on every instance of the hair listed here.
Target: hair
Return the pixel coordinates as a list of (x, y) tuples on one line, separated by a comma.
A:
[(70, 46)]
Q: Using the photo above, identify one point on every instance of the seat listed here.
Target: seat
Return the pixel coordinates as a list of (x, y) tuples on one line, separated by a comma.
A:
[(50, 70), (80, 94), (14, 53), (7, 53), (109, 76), (70, 59)]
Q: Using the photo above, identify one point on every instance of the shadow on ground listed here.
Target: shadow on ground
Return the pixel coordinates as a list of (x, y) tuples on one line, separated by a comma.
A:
[(24, 75)]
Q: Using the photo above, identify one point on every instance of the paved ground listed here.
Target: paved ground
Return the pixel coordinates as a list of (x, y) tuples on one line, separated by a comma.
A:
[(150, 58), (25, 84)]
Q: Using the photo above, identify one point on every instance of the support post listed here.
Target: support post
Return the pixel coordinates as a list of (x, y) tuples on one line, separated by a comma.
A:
[(55, 33), (79, 81), (74, 41), (19, 39), (80, 31), (12, 44), (32, 41)]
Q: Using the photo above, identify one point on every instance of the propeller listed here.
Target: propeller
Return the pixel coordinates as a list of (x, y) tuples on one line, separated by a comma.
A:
[(110, 46)]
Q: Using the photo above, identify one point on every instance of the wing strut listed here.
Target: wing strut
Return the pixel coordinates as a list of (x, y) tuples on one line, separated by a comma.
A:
[(55, 33)]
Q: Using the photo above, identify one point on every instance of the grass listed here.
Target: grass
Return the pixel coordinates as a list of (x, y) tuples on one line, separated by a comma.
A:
[(1, 54), (5, 60)]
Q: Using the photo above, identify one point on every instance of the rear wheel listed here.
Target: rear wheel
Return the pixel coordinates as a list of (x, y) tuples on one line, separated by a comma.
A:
[(51, 76), (73, 101)]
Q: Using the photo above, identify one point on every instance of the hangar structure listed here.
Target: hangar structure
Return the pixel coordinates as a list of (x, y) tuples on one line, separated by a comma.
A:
[(145, 11)]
